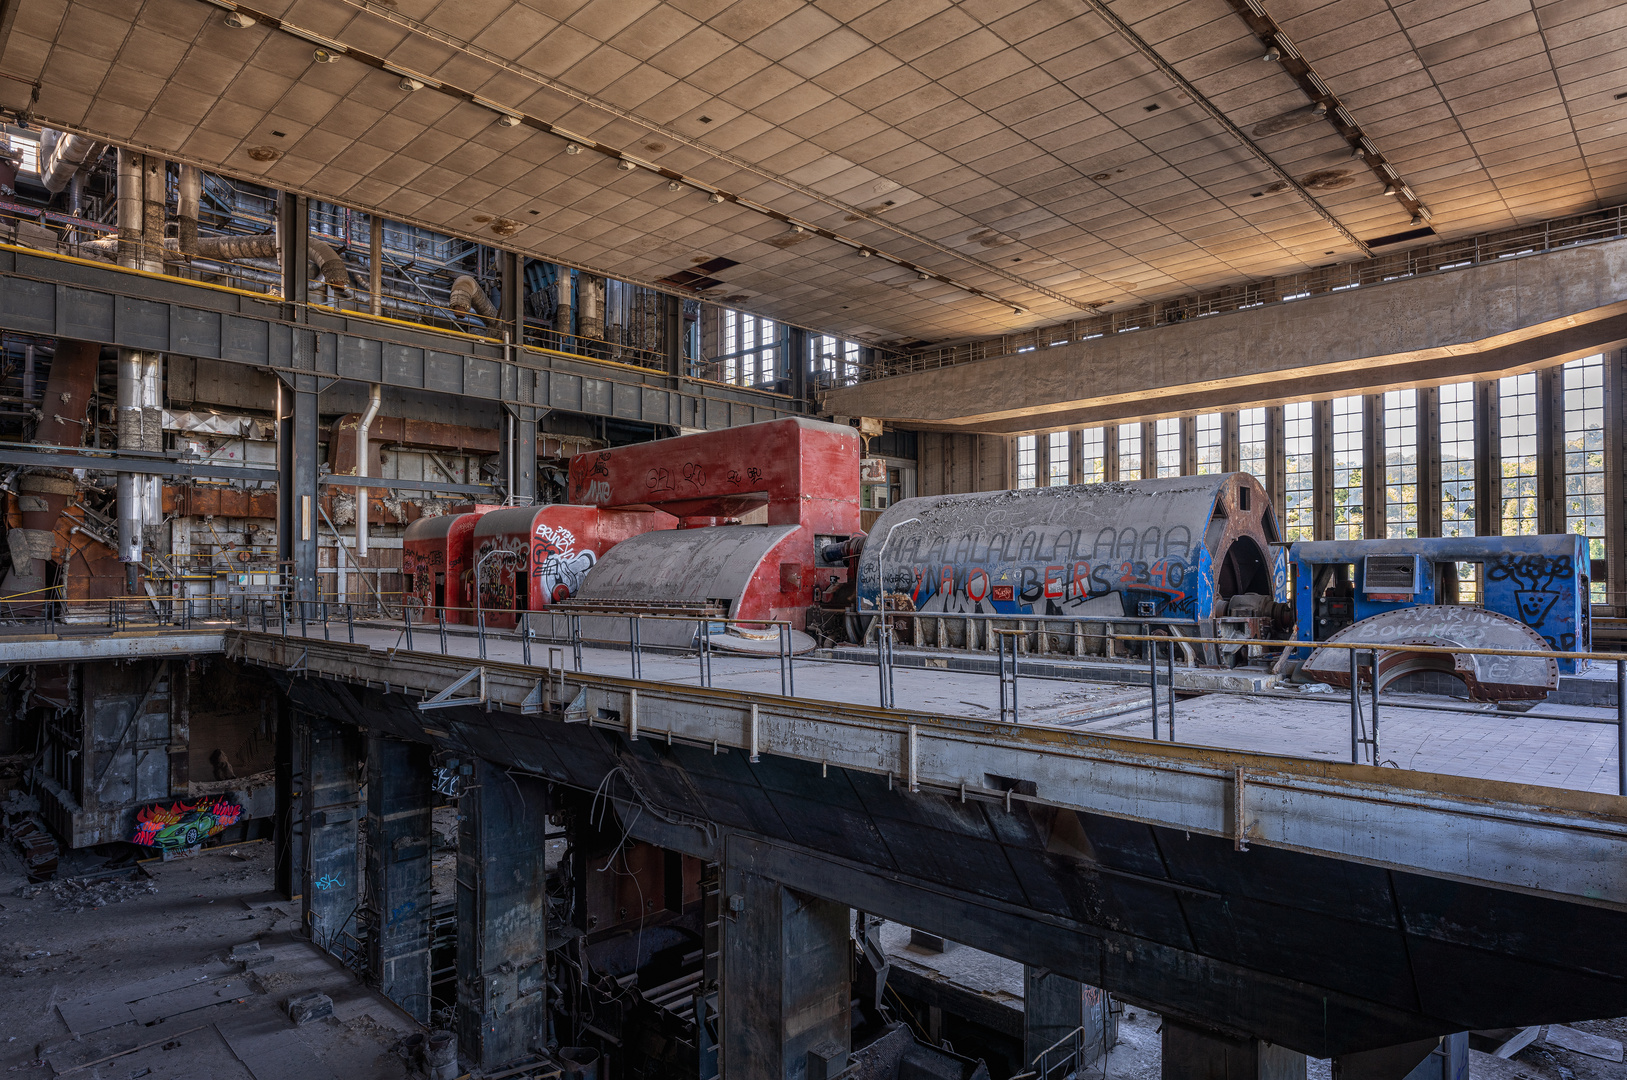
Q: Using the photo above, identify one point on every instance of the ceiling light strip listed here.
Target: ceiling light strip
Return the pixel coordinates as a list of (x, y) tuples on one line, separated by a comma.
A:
[(1197, 98), (857, 212), (512, 118), (1299, 69)]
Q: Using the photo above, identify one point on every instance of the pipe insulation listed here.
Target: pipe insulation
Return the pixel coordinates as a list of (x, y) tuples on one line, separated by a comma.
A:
[(335, 274), (361, 469), (189, 195), (66, 155), (467, 294)]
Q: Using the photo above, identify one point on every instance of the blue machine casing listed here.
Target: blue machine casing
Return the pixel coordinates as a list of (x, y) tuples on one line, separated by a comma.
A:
[(1542, 581)]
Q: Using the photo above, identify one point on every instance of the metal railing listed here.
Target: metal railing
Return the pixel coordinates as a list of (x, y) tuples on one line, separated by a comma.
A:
[(1607, 224), (291, 616)]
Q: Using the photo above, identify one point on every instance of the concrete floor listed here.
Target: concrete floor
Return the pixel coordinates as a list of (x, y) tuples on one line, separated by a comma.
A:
[(1539, 746), (130, 979)]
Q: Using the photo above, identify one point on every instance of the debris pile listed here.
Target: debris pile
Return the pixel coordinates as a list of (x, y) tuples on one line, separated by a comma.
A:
[(23, 826), (72, 895)]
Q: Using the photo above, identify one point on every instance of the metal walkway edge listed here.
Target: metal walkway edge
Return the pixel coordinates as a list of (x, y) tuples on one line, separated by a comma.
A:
[(1541, 841)]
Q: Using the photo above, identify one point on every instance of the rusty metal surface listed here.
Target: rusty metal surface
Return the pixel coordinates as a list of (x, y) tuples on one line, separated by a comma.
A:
[(1164, 548), (724, 565), (1487, 678), (800, 473)]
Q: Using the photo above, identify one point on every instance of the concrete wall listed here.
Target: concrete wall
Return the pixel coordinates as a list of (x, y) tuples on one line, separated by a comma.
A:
[(1437, 327), (951, 464)]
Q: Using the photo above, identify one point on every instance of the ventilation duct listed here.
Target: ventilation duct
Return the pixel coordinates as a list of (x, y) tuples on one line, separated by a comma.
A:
[(328, 262), (63, 157), (467, 295)]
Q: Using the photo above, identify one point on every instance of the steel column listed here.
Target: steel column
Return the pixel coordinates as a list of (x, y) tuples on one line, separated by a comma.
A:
[(785, 980), (399, 834), (330, 808), (502, 911), (297, 432)]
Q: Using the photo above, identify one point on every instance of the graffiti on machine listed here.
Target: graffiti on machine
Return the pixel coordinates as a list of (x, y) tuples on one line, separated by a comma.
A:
[(559, 564), (182, 825)]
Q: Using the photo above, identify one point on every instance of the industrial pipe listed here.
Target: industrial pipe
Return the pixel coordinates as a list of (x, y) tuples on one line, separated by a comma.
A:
[(64, 157), (128, 420), (190, 194), (361, 469), (328, 262), (375, 265), (467, 294)]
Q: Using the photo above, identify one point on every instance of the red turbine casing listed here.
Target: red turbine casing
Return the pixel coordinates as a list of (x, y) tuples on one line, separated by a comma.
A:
[(804, 472), (553, 546), (435, 558)]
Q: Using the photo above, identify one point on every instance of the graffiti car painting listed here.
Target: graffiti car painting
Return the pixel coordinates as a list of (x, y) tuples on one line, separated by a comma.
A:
[(182, 825)]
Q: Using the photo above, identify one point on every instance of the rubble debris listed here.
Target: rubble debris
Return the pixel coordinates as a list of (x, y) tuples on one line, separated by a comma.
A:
[(304, 1008), (249, 955), (1582, 1042), (19, 816), (73, 895)]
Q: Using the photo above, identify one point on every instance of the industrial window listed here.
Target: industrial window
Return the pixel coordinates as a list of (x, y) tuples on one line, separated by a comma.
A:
[(1167, 447), (1457, 459), (27, 151), (1092, 455), (1251, 442), (1348, 519), (1209, 450), (1027, 461), (750, 349), (1298, 473), (1401, 464), (1584, 458), (836, 362), (1129, 451), (1056, 464), (1517, 447)]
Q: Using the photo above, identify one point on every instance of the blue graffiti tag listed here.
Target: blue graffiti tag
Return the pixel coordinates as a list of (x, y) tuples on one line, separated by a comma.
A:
[(401, 911), (328, 881)]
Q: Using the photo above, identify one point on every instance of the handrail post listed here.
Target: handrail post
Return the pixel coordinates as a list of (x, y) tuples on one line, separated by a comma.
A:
[(1170, 689), (350, 621), (1152, 675), (632, 641), (576, 640), (1621, 727), (1355, 709), (406, 617), (1375, 707), (480, 632), (525, 637), (440, 620)]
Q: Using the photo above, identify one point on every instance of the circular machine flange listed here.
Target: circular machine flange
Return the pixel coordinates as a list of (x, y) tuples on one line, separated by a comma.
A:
[(755, 644), (1448, 626)]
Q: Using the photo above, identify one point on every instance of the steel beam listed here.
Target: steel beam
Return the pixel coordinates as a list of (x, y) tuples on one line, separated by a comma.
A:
[(58, 296), (1545, 842)]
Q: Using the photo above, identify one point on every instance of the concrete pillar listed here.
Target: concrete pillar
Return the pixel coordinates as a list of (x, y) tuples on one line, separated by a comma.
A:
[(1488, 461), (1322, 468), (590, 295), (1192, 1053), (1189, 446), (1429, 461), (672, 334), (1054, 1007), (1445, 1058), (564, 318), (502, 910), (398, 871), (1551, 450), (1231, 455), (1615, 490), (330, 808), (1374, 469), (1276, 466), (512, 311), (798, 358), (785, 982)]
